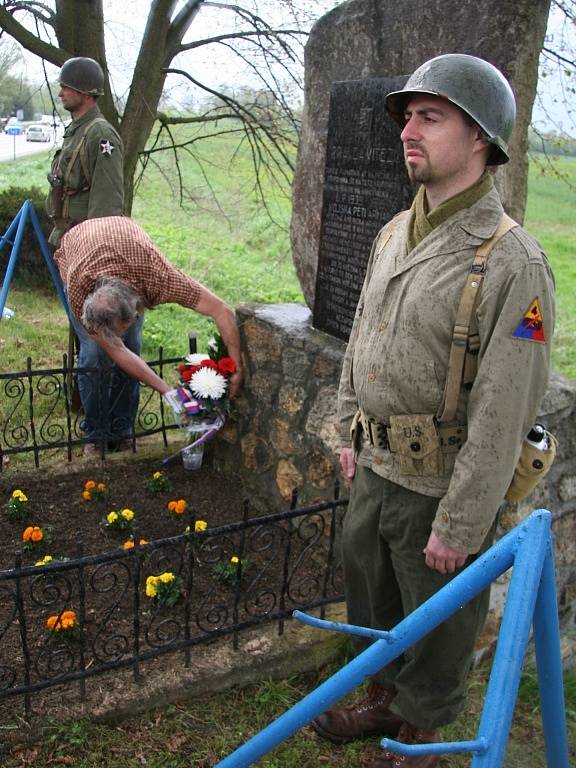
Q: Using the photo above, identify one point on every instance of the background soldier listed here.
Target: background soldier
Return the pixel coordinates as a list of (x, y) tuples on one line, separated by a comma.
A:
[(421, 506), (87, 182), (87, 172)]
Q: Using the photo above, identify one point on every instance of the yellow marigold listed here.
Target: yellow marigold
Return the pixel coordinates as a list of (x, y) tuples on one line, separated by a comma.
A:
[(234, 560), (86, 495), (18, 494), (127, 514), (157, 475), (151, 590), (166, 577), (128, 544), (111, 517), (101, 486), (45, 560), (200, 525), (89, 484)]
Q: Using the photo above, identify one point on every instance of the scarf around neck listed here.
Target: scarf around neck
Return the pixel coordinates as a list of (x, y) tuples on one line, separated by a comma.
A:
[(422, 221)]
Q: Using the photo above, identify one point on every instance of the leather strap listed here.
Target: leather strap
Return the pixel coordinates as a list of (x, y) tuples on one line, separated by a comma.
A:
[(465, 339)]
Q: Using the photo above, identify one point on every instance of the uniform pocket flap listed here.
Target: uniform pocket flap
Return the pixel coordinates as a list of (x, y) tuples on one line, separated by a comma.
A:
[(413, 435)]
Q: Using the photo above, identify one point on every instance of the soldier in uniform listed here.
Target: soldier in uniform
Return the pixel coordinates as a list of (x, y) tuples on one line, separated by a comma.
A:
[(87, 172), (87, 182), (425, 491)]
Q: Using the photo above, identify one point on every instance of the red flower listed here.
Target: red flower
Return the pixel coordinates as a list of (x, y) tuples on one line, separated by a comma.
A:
[(186, 374), (208, 364), (226, 366)]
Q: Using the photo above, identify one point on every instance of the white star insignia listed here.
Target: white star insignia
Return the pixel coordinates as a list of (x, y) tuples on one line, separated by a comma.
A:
[(106, 147)]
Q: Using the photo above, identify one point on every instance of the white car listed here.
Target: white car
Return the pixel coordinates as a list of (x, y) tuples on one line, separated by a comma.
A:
[(39, 133)]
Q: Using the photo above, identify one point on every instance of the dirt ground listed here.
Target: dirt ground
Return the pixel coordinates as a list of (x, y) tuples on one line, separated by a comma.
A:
[(55, 503)]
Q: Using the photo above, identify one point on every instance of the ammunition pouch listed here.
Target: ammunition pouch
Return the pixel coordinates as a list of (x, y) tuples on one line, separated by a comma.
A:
[(415, 440), (419, 442), (533, 465)]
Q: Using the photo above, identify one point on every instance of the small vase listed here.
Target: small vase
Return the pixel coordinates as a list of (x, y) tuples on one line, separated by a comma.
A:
[(192, 456)]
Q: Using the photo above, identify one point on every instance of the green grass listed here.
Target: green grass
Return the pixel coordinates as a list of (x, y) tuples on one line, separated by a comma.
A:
[(202, 731), (224, 239), (550, 218)]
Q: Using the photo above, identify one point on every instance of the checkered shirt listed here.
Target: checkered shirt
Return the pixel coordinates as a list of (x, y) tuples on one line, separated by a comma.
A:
[(114, 246)]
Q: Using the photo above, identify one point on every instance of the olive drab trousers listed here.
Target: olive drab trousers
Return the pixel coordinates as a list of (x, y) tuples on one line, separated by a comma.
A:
[(386, 578)]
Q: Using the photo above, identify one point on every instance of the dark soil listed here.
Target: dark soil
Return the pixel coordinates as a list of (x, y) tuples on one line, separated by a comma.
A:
[(55, 502)]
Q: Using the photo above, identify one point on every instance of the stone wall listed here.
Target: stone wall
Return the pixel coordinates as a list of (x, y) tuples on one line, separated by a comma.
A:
[(284, 435)]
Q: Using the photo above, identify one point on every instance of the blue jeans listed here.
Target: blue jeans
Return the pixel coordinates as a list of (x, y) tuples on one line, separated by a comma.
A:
[(109, 396)]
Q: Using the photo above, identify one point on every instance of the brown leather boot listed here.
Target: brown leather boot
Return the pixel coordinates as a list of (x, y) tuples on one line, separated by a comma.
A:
[(370, 715), (408, 734)]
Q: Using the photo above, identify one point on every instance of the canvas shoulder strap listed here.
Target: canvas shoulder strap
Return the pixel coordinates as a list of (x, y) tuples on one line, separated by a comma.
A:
[(464, 343), (80, 151)]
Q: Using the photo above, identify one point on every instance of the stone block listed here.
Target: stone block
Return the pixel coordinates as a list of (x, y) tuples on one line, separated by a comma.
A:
[(287, 478), (282, 437), (567, 487), (256, 453)]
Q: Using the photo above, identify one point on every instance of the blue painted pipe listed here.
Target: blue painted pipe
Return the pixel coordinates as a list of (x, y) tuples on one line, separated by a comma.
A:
[(18, 224), (429, 615)]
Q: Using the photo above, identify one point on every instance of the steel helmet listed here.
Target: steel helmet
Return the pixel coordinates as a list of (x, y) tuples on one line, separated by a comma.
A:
[(84, 75), (472, 84)]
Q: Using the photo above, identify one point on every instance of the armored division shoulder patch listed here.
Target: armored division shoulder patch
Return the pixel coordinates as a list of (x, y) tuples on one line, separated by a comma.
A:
[(531, 327)]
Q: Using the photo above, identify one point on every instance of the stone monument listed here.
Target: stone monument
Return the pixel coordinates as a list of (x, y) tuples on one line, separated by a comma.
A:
[(363, 39), (365, 185)]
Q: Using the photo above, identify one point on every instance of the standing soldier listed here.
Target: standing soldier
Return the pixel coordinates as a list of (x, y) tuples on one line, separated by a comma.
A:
[(87, 182), (87, 172), (437, 452)]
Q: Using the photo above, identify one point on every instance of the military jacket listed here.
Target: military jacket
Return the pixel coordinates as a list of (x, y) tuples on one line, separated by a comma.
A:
[(90, 164), (397, 356)]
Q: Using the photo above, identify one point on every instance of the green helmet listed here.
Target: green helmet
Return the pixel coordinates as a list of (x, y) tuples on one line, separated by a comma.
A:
[(84, 75), (472, 84)]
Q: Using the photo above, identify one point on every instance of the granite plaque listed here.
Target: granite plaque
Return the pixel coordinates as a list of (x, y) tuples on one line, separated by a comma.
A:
[(365, 185)]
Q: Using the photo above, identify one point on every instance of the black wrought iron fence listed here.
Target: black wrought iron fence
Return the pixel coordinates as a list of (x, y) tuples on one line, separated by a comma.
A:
[(66, 621), (38, 411)]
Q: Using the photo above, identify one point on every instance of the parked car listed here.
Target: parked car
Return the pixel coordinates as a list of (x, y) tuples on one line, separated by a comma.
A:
[(39, 133)]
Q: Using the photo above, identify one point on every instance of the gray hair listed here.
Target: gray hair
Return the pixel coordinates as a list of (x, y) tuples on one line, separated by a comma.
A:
[(110, 302)]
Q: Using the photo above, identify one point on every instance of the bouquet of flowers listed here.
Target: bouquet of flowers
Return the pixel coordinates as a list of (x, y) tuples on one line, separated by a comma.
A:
[(201, 401)]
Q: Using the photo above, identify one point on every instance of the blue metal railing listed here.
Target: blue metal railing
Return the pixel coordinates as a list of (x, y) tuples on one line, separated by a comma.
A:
[(16, 229), (531, 601)]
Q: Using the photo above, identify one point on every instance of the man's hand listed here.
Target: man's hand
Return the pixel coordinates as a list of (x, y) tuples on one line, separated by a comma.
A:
[(235, 383), (348, 465), (173, 401), (440, 557)]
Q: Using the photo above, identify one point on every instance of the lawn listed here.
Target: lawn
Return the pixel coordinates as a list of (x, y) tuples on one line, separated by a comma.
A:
[(224, 238)]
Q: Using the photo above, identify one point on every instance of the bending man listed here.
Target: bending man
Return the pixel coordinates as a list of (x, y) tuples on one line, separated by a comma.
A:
[(112, 272)]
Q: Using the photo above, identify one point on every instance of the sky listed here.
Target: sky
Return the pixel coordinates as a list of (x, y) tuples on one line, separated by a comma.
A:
[(125, 21)]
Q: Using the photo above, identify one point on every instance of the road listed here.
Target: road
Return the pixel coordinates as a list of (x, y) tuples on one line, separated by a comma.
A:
[(13, 147)]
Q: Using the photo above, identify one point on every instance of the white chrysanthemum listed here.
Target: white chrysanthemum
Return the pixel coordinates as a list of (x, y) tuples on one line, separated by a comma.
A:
[(208, 383), (196, 358)]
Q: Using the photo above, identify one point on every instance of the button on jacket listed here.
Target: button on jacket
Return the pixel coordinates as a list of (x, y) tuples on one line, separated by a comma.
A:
[(397, 357)]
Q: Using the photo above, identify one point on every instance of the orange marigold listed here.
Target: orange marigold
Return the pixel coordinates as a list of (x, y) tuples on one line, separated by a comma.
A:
[(128, 544), (89, 485), (66, 620), (27, 533), (86, 495), (101, 486), (37, 534), (177, 506)]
